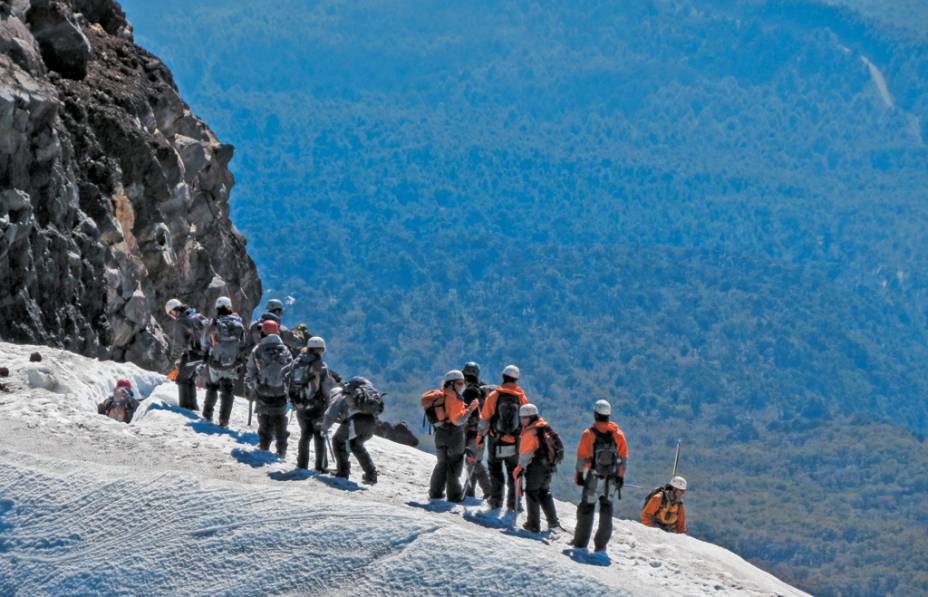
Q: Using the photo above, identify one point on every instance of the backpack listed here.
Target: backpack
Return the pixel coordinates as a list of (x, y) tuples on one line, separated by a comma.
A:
[(506, 418), (363, 396), (272, 362), (434, 404), (605, 461), (653, 493), (302, 370), (550, 446), (229, 334), (301, 373)]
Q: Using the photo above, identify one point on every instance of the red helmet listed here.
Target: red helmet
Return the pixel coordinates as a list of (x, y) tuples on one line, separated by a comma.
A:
[(124, 383), (270, 327)]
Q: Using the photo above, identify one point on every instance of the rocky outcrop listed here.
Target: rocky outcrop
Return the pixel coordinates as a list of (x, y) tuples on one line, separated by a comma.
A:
[(113, 195), (396, 432)]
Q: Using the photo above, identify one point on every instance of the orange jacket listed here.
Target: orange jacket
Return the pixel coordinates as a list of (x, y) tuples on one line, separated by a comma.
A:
[(585, 449), (664, 513), (455, 411), (489, 409), (528, 442)]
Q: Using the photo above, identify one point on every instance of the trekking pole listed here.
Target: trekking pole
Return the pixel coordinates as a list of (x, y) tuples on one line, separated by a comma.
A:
[(251, 404), (676, 460), (519, 493)]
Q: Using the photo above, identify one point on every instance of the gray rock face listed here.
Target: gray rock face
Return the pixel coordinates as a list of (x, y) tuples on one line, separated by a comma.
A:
[(113, 195)]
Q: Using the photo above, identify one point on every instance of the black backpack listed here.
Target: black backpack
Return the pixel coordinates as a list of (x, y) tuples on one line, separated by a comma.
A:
[(550, 446), (605, 460), (506, 418), (301, 371), (363, 396), (654, 492)]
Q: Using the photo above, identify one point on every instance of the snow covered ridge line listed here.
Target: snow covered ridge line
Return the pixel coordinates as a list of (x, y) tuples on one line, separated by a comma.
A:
[(172, 504)]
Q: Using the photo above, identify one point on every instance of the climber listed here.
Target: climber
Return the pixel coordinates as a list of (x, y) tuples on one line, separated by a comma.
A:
[(224, 338), (447, 413), (122, 404), (663, 508), (355, 407), (188, 350), (266, 379), (311, 387), (499, 420), (601, 459), (474, 390), (540, 451), (275, 313)]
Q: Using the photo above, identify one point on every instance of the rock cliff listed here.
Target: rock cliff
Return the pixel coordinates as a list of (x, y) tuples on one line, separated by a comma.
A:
[(113, 195)]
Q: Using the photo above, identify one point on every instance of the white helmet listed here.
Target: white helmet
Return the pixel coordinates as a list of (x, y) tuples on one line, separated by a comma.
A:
[(528, 410), (678, 482), (602, 407), (511, 371), (224, 301), (453, 375), (171, 305), (315, 342)]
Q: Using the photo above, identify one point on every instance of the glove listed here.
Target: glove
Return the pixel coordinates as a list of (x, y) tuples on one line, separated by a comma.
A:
[(578, 479), (479, 440), (517, 472), (619, 481)]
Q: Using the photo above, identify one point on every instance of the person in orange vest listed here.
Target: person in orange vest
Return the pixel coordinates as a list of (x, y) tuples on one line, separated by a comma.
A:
[(537, 464), (448, 414), (499, 420), (664, 507), (601, 459)]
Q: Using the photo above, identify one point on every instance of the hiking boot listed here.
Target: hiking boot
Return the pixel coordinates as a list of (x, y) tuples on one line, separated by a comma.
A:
[(341, 474), (493, 503), (369, 478), (530, 529), (321, 470)]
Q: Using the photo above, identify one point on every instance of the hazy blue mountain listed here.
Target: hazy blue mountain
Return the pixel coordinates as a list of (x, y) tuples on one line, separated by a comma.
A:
[(713, 214)]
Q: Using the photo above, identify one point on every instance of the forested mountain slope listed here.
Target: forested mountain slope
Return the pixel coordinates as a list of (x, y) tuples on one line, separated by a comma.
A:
[(711, 213)]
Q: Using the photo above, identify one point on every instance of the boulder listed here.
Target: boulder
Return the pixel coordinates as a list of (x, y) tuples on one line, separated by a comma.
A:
[(396, 432), (65, 49)]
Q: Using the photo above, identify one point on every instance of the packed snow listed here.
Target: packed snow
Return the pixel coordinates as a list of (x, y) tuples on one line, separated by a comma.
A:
[(172, 504)]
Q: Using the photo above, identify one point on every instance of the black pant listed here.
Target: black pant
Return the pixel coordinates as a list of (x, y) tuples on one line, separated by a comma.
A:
[(538, 497), (272, 422), (186, 380), (224, 389), (449, 450), (311, 427), (343, 443), (595, 489), (497, 479), (477, 471)]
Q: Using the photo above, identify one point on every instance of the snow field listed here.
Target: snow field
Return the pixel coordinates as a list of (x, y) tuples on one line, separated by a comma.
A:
[(172, 504)]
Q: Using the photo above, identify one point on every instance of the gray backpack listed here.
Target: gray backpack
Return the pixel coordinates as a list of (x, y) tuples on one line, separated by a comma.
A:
[(273, 364), (230, 330)]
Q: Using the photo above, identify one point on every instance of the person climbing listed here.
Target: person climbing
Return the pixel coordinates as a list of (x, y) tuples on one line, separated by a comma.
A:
[(224, 338), (474, 390), (447, 413), (499, 422), (664, 507), (540, 451), (188, 351), (311, 387), (266, 377), (601, 459), (122, 404), (355, 407), (275, 313)]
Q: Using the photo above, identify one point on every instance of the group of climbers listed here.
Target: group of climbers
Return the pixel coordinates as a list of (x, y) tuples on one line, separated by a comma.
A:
[(523, 452), (283, 368)]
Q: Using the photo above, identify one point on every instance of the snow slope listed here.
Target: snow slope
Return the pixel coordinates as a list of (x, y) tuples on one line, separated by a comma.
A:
[(171, 504)]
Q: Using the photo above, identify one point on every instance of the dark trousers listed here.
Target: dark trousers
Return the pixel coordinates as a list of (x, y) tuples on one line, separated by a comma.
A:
[(477, 472), (186, 380), (596, 489), (498, 479), (311, 428), (223, 390), (351, 437), (538, 497), (449, 451), (272, 423)]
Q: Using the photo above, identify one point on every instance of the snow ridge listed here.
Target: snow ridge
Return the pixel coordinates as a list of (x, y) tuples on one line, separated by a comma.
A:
[(172, 504)]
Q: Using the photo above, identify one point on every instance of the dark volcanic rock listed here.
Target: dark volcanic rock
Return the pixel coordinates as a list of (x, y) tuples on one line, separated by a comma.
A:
[(396, 432), (35, 358), (113, 195)]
